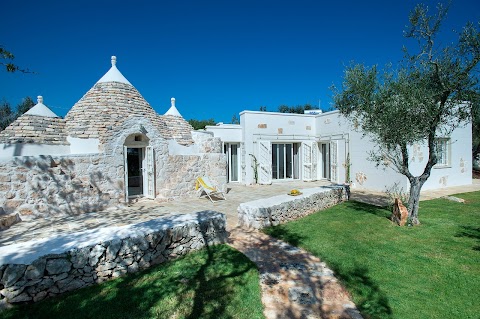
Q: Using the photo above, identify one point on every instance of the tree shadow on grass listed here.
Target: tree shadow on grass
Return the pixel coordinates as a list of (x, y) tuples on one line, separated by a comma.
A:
[(371, 301), (371, 209), (201, 284), (470, 232), (204, 288)]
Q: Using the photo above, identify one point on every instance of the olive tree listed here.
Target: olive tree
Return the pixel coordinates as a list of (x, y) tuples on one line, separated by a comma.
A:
[(6, 60), (429, 94)]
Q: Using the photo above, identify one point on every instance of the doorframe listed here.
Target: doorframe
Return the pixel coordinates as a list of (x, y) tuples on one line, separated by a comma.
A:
[(141, 141)]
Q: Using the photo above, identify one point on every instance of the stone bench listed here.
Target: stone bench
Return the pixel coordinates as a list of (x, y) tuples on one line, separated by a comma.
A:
[(283, 208), (34, 270)]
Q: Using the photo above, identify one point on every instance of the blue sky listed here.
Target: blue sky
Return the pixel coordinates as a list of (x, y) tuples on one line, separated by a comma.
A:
[(217, 58)]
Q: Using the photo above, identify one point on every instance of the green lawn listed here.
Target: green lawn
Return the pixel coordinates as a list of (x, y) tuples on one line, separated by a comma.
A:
[(218, 282), (428, 271)]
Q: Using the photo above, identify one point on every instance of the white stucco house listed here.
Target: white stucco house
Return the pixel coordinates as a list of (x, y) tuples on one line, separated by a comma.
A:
[(315, 146)]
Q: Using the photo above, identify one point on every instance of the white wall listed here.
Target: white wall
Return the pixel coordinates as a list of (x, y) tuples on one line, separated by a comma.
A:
[(230, 133), (273, 127), (32, 149), (459, 170), (83, 146), (331, 126)]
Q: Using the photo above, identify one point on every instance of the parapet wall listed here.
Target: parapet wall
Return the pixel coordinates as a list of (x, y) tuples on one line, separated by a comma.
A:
[(283, 208), (35, 270)]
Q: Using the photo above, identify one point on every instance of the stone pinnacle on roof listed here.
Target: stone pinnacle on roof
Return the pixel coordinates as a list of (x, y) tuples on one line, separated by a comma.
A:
[(173, 110), (114, 75), (41, 109)]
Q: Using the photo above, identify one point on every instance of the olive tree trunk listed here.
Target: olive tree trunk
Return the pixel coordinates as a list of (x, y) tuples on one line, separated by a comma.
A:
[(416, 184)]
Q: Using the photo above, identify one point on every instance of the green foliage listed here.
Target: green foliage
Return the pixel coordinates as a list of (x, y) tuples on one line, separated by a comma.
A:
[(7, 116), (218, 282), (6, 59), (200, 124), (255, 165), (399, 272), (26, 104), (347, 166), (299, 109), (476, 129), (235, 119), (428, 95), (263, 109), (396, 191)]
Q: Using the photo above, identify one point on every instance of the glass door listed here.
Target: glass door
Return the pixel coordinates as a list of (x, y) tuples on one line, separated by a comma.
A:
[(232, 150), (325, 149), (283, 161)]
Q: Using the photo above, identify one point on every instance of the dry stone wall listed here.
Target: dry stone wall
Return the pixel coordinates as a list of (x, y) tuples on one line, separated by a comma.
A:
[(180, 172), (283, 208), (36, 270), (60, 185), (206, 142)]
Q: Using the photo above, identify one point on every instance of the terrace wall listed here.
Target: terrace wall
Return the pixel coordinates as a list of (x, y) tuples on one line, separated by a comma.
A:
[(35, 270), (280, 209)]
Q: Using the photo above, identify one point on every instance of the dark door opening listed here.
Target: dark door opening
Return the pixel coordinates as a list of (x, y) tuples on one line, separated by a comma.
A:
[(135, 169)]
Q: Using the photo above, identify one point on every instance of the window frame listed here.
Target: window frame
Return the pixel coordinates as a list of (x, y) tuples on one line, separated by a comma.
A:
[(443, 155)]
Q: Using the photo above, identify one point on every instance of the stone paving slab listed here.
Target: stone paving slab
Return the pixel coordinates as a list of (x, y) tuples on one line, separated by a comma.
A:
[(294, 283)]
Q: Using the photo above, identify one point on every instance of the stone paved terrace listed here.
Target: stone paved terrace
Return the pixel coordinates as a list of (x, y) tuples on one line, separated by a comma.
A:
[(146, 210)]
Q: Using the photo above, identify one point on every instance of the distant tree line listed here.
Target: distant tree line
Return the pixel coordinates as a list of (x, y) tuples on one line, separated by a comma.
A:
[(8, 114), (200, 124), (298, 109)]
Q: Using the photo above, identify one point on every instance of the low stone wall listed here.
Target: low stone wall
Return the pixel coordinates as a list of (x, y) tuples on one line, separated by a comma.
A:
[(283, 208), (34, 270)]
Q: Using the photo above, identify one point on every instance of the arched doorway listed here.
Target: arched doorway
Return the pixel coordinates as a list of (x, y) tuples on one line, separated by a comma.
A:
[(139, 167)]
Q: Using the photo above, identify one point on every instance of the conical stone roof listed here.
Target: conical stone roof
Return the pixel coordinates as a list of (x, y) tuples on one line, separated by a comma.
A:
[(178, 128), (38, 125), (111, 101), (108, 104)]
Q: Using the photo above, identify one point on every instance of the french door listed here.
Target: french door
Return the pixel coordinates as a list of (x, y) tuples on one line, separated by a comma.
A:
[(284, 158)]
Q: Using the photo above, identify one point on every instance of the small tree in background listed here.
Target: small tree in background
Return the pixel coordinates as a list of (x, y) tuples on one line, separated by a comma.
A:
[(429, 95), (476, 130), (200, 124), (7, 115), (235, 119), (26, 104), (299, 109)]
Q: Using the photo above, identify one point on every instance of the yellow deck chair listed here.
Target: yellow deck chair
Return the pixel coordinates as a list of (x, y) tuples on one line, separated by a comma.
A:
[(204, 185)]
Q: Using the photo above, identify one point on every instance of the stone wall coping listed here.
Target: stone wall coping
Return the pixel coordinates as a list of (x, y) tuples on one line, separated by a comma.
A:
[(26, 252), (280, 199), (4, 160)]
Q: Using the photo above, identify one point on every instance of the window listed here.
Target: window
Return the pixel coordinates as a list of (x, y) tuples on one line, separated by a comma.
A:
[(442, 146)]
